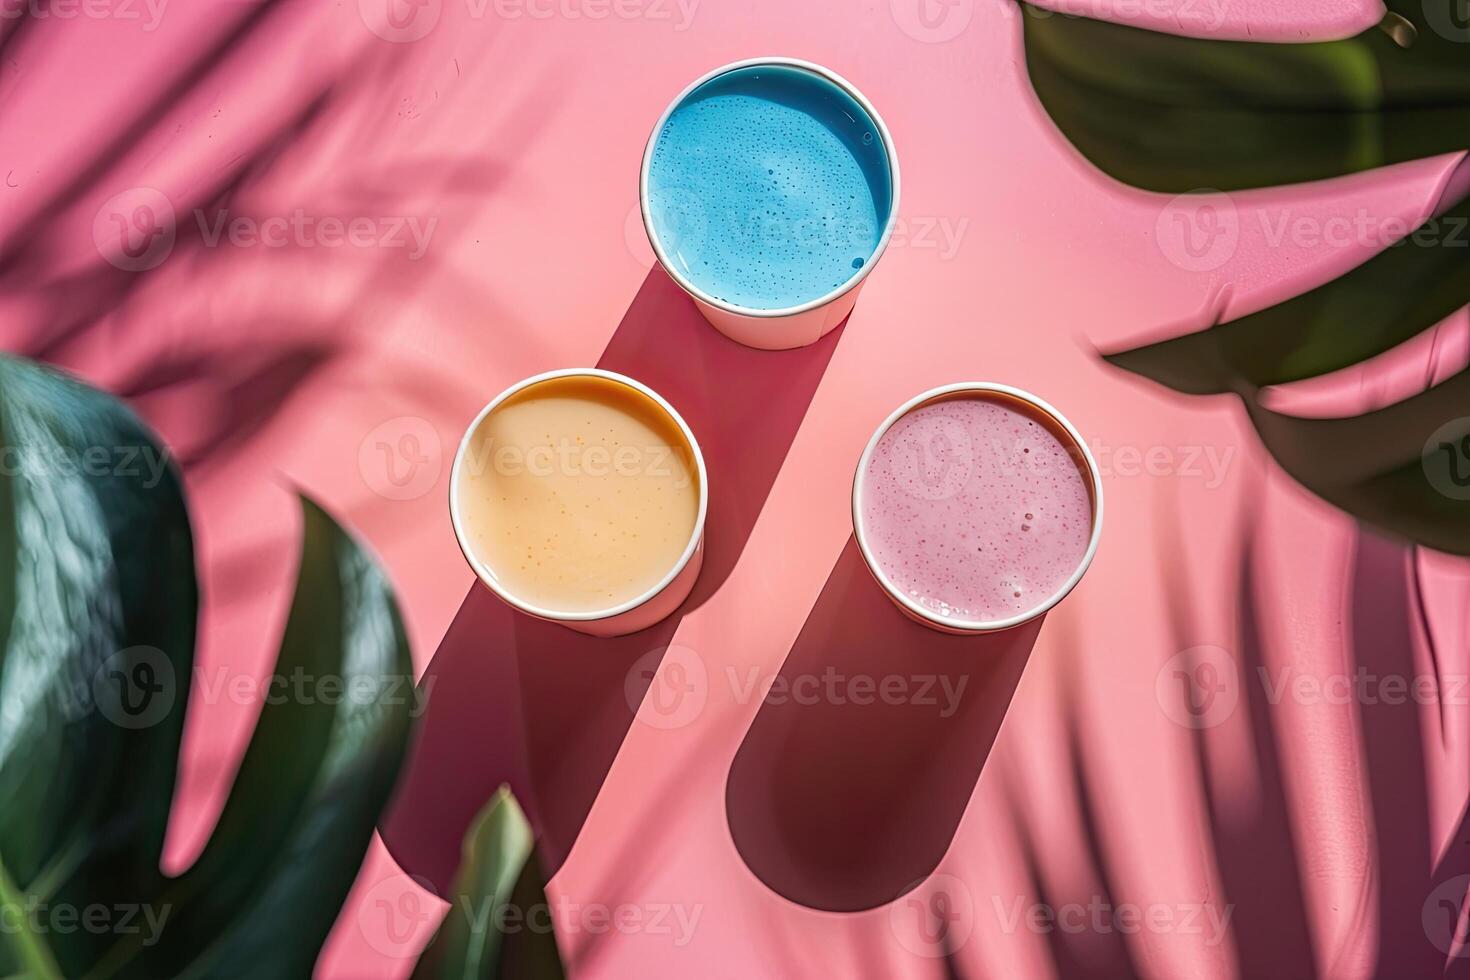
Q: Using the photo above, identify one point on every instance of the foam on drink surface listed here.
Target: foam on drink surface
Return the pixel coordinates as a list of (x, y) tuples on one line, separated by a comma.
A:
[(769, 186), (975, 508), (579, 494)]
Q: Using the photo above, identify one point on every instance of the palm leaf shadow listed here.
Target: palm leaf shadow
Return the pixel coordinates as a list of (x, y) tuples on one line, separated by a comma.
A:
[(1185, 114), (1260, 865), (242, 381), (1258, 862)]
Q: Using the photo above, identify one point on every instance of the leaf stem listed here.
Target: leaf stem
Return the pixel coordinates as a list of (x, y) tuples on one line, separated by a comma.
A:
[(35, 955)]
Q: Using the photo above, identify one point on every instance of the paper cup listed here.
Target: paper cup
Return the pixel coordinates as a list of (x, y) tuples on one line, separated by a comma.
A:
[(635, 614), (795, 326), (1042, 413)]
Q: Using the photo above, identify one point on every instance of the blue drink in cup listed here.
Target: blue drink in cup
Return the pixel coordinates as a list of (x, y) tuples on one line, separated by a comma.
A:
[(769, 190)]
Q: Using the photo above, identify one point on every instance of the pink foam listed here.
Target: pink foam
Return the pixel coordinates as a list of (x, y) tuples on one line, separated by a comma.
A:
[(975, 510)]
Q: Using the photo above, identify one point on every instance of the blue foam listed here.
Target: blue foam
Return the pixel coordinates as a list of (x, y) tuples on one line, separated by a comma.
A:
[(769, 187)]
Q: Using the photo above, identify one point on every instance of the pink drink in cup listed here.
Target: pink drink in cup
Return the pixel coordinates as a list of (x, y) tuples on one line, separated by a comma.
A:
[(977, 507)]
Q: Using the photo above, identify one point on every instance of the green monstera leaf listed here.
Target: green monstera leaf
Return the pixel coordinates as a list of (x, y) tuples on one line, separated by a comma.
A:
[(1177, 114), (1406, 289), (98, 603), (499, 923), (1404, 468)]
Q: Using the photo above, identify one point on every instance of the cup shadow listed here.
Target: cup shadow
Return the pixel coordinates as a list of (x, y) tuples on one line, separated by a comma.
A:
[(851, 782), (514, 700)]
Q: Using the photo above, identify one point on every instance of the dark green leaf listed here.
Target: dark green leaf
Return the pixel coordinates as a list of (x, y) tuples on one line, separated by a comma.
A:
[(1177, 114), (263, 896), (499, 883), (97, 578), (1399, 293), (1398, 467), (1383, 467), (96, 655)]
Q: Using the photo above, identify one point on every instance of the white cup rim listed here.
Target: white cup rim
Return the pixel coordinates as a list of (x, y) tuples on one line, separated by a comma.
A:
[(483, 571), (850, 284), (951, 623)]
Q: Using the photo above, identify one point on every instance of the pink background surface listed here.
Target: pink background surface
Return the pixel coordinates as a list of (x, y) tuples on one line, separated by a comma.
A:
[(1321, 827)]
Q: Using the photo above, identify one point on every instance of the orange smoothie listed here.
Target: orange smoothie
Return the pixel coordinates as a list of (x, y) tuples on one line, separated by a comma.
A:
[(578, 494)]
